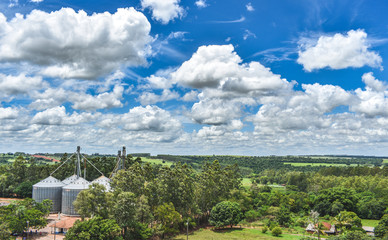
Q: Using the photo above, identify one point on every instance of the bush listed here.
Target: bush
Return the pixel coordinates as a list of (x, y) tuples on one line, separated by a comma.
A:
[(264, 229), (276, 231), (225, 213)]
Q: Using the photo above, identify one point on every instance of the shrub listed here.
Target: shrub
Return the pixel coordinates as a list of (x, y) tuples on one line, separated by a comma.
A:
[(264, 229), (276, 231), (225, 213)]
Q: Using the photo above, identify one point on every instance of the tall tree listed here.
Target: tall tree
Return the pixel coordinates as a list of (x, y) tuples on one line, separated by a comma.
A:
[(95, 201)]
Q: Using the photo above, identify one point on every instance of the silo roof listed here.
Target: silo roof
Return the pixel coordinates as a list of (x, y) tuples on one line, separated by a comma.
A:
[(79, 183), (103, 181), (70, 179), (49, 182)]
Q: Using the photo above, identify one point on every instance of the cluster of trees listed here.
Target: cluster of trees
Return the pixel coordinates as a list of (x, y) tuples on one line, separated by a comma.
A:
[(18, 216), (151, 200)]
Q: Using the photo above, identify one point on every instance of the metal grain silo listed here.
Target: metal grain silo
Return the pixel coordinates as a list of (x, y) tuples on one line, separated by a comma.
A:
[(49, 188), (70, 193), (70, 179), (103, 181)]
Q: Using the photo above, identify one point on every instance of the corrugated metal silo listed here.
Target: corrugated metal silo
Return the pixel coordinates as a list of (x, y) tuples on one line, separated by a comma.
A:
[(70, 179), (103, 181), (70, 193), (49, 188)]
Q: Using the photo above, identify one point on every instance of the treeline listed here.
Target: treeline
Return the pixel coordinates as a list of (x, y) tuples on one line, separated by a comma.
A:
[(259, 164)]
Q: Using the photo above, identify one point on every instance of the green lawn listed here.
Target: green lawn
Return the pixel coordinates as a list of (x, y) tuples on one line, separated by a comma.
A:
[(319, 164), (246, 182), (234, 234), (156, 161), (369, 222)]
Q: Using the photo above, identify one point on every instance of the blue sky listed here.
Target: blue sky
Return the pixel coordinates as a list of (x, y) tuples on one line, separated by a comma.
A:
[(243, 77)]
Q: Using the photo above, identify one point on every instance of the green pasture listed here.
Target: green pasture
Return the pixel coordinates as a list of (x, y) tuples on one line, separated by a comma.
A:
[(156, 161), (297, 164), (369, 222), (233, 234), (328, 157), (246, 182), (385, 160)]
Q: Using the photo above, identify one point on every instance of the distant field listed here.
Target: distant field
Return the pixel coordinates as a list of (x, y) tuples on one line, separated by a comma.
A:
[(319, 164), (369, 222), (385, 160), (156, 161), (234, 234), (329, 157)]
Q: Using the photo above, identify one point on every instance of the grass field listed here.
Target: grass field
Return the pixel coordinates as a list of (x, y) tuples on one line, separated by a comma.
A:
[(156, 161), (369, 222), (319, 164), (234, 234), (385, 160), (246, 182)]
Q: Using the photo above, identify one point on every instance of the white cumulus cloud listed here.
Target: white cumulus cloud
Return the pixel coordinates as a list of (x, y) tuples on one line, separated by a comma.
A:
[(20, 84), (69, 44), (249, 7), (164, 10), (201, 3), (8, 113), (218, 66), (338, 52), (58, 116)]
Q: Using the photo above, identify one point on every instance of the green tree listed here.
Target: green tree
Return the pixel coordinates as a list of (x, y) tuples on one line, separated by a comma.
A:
[(177, 185), (215, 184), (95, 201), (17, 214), (24, 189), (225, 213), (349, 219), (283, 217), (381, 229), (5, 233), (93, 229), (168, 218), (124, 211)]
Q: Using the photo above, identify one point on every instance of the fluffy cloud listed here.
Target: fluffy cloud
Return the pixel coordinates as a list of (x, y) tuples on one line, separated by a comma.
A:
[(52, 97), (71, 44), (100, 101), (201, 3), (159, 82), (215, 111), (220, 67), (21, 84), (8, 113), (338, 52), (374, 100), (148, 98), (149, 118), (164, 10), (58, 116), (301, 110), (249, 7)]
